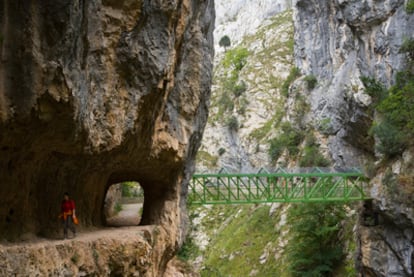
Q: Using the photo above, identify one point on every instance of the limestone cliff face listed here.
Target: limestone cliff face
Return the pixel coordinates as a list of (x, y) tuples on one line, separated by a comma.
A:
[(239, 18), (338, 42), (97, 92), (258, 107)]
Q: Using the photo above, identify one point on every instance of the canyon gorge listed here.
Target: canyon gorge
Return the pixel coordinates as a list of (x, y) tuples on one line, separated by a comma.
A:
[(94, 93)]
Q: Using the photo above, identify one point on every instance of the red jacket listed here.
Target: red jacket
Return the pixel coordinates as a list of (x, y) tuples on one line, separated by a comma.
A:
[(68, 206)]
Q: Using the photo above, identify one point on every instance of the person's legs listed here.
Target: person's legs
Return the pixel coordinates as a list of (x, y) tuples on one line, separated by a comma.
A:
[(65, 227), (71, 225)]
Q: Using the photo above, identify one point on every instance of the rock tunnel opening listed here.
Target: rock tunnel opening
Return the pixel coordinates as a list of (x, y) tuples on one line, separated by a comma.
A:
[(123, 204)]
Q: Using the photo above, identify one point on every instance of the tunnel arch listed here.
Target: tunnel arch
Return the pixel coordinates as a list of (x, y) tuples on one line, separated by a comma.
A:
[(157, 190), (123, 204)]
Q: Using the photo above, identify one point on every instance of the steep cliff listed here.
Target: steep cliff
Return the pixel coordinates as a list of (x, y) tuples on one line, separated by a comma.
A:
[(98, 92), (246, 111), (338, 42)]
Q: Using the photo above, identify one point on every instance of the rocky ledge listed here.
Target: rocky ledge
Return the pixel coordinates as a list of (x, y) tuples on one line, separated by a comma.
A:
[(127, 251)]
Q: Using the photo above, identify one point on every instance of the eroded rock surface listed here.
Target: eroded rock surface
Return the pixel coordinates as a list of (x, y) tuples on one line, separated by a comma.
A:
[(94, 93), (128, 251)]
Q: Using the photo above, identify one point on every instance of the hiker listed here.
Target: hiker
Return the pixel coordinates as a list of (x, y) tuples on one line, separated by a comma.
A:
[(67, 215)]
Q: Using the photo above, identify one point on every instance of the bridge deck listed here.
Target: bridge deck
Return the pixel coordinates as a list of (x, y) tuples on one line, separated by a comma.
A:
[(263, 187)]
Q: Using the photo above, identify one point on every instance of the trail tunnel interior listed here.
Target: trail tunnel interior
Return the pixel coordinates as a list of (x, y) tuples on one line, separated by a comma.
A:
[(123, 204)]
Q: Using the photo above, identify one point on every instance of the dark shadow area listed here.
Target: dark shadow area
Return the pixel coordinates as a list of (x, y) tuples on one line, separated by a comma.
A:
[(369, 214), (124, 203)]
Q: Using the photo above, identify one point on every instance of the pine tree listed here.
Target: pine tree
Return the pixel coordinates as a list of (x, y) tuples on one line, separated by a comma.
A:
[(225, 42), (313, 248)]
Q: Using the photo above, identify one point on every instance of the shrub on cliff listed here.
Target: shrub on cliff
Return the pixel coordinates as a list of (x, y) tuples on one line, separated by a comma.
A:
[(311, 81), (407, 47), (390, 138), (233, 123), (311, 155), (398, 105), (221, 151), (293, 75), (226, 104), (395, 106), (289, 140), (397, 126), (375, 89), (410, 6), (239, 88), (236, 58)]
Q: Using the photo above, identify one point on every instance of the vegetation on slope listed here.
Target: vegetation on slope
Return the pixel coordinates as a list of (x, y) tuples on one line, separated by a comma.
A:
[(239, 245), (314, 248), (285, 240), (311, 155), (206, 158), (394, 127), (293, 75), (232, 88), (288, 140), (244, 240), (246, 97), (235, 89)]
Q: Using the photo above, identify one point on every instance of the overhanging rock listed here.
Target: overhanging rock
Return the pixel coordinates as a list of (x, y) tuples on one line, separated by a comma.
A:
[(98, 92)]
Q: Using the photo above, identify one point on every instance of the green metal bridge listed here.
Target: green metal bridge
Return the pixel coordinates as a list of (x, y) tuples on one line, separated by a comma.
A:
[(299, 185)]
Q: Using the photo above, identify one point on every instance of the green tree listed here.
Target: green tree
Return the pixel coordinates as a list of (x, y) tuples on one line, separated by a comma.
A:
[(236, 58), (313, 248), (129, 189), (390, 139), (225, 42)]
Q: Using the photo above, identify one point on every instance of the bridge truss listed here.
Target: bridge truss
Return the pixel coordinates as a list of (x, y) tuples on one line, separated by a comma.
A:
[(317, 185)]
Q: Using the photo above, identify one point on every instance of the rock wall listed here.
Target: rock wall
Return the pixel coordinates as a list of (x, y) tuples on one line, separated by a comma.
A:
[(113, 196), (338, 42), (94, 93)]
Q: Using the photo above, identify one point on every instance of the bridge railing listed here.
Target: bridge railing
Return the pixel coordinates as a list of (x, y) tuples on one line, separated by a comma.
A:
[(280, 186)]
